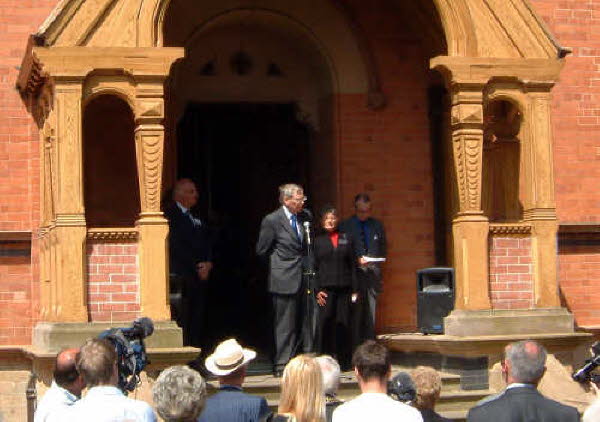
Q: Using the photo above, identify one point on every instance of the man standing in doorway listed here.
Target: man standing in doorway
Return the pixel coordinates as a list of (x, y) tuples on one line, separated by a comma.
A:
[(281, 241), (189, 260), (369, 240)]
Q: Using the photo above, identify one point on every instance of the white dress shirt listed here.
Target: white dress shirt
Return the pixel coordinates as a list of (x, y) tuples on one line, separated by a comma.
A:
[(107, 404), (288, 214), (375, 407), (56, 399)]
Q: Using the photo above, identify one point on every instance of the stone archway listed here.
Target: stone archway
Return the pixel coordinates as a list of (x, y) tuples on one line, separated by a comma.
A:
[(496, 49)]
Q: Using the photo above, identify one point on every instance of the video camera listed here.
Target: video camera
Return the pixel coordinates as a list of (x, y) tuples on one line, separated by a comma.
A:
[(585, 373), (131, 351)]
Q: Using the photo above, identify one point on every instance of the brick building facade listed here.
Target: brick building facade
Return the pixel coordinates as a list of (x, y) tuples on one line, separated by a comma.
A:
[(381, 151)]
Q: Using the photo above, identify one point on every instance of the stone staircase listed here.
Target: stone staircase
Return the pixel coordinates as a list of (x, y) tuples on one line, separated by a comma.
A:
[(453, 403)]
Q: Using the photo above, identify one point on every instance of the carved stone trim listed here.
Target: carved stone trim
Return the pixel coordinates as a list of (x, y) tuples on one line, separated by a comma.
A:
[(510, 228), (123, 233)]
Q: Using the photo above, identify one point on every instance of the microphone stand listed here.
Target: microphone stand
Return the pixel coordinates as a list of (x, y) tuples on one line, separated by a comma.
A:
[(309, 277)]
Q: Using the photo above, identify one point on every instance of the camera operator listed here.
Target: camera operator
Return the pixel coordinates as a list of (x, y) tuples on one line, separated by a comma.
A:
[(104, 402), (66, 387)]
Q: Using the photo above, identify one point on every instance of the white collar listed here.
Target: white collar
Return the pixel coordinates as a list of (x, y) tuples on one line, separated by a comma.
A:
[(287, 212), (519, 385), (182, 208)]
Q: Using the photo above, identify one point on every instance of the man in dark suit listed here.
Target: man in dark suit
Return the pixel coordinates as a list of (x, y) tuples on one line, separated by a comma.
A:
[(231, 404), (523, 367), (369, 241), (189, 260), (281, 241)]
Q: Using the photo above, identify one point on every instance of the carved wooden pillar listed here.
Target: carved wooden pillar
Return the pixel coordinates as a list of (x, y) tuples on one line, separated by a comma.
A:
[(539, 203), (68, 229), (152, 226), (470, 227)]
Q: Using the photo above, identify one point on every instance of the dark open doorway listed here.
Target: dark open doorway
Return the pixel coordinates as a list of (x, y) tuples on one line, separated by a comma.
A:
[(238, 154)]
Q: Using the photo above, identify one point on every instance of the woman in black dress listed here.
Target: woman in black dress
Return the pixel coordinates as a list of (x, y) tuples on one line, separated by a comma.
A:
[(336, 287)]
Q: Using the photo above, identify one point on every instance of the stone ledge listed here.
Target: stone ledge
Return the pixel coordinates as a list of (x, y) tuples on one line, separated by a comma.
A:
[(475, 346), (51, 337), (509, 322)]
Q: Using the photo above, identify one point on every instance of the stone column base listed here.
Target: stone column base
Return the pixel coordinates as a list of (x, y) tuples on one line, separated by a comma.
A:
[(51, 337), (508, 322)]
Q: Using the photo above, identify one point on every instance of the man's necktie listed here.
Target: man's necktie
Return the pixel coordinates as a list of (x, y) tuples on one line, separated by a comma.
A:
[(192, 219), (364, 235), (295, 225)]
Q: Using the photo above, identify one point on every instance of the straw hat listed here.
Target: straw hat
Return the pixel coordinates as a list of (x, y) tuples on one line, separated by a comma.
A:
[(227, 357)]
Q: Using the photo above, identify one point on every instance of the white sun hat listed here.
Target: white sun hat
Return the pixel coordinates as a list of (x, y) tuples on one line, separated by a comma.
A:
[(227, 357)]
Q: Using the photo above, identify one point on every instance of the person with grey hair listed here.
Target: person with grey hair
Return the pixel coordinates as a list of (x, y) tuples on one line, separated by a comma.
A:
[(330, 369), (179, 394), (281, 242), (523, 367)]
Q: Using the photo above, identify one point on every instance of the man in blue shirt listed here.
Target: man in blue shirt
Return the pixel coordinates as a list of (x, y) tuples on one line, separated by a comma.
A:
[(228, 363)]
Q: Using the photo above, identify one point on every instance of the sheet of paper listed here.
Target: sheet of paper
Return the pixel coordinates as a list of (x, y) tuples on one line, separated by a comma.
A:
[(373, 259)]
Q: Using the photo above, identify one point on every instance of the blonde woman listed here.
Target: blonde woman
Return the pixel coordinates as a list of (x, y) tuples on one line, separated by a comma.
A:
[(302, 398)]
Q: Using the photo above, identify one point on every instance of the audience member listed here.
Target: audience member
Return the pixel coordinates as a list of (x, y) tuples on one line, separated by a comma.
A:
[(65, 389), (523, 367), (228, 363), (302, 398), (330, 371), (104, 402), (402, 388), (428, 384), (372, 367), (179, 394)]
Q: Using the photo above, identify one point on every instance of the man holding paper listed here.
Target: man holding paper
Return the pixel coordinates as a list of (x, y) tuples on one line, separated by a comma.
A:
[(370, 249)]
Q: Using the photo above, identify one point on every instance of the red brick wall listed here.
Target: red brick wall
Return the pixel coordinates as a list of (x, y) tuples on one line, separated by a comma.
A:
[(19, 171), (387, 154), (579, 274), (576, 125), (511, 283), (113, 281), (576, 107)]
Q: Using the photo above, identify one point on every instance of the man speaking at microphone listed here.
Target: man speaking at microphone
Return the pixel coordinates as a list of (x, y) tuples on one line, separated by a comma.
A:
[(281, 241)]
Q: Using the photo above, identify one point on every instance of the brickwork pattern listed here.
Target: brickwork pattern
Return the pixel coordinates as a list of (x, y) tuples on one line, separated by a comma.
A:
[(576, 107), (113, 281), (511, 282), (579, 273), (19, 172)]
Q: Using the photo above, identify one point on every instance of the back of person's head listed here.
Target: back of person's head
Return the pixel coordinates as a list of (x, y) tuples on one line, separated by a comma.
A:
[(179, 394), (330, 371), (65, 367), (428, 384), (372, 360), (302, 390), (526, 361), (402, 388), (97, 362)]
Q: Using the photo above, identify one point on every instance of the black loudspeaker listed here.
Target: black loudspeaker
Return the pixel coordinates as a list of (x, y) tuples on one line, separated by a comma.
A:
[(435, 298)]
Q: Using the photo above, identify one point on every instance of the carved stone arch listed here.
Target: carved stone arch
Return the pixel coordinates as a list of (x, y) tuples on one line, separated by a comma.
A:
[(106, 83), (458, 27)]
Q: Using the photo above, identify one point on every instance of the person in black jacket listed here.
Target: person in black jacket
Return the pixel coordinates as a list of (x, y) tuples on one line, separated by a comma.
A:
[(336, 286), (523, 367), (190, 260)]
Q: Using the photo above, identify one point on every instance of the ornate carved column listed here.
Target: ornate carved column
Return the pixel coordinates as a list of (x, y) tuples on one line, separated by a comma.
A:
[(470, 227), (152, 226), (68, 229), (539, 203)]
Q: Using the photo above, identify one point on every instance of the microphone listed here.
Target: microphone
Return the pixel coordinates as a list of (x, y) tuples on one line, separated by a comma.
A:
[(306, 225)]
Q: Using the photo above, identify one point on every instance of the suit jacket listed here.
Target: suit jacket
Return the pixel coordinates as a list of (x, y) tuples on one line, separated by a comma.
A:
[(522, 404), (335, 267), (285, 252), (376, 245), (188, 244), (232, 405)]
